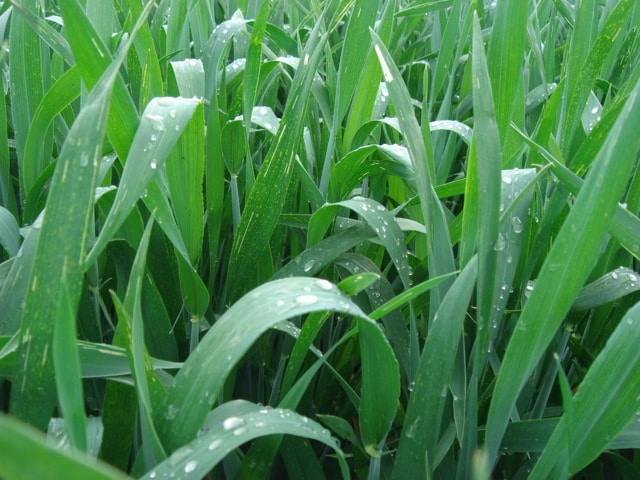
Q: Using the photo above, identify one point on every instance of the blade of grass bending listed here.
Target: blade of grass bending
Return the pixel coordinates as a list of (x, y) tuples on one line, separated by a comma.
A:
[(439, 244), (421, 430), (19, 442), (61, 249), (61, 94), (198, 382), (608, 397), (233, 424), (566, 267), (267, 196)]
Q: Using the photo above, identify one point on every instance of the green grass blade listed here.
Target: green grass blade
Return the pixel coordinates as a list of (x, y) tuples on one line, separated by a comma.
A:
[(61, 94), (66, 365), (566, 268), (19, 441), (440, 256), (29, 77), (488, 174), (504, 63)]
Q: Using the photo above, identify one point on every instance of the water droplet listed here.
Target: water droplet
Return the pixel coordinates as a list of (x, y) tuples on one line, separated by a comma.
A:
[(239, 431), (268, 126), (152, 475), (324, 284), (306, 59), (411, 386), (172, 113), (215, 444), (413, 428), (304, 300), (280, 303), (594, 110), (232, 422), (172, 412), (153, 164), (309, 265), (500, 243), (516, 224), (507, 179), (84, 159), (157, 122), (263, 111), (190, 466)]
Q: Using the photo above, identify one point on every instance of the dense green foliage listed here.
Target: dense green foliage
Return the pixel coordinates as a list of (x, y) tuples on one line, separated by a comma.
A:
[(281, 239)]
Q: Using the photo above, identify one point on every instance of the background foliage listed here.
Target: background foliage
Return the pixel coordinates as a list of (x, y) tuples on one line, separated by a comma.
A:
[(270, 239)]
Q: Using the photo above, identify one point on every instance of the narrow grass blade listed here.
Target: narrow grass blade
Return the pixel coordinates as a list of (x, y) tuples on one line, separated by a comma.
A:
[(29, 77), (616, 284), (19, 441), (424, 414), (610, 402), (440, 256), (504, 63), (233, 424), (66, 364), (65, 226), (566, 267), (488, 174)]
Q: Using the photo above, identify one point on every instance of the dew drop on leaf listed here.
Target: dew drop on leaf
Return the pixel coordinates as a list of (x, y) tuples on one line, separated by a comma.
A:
[(304, 300), (232, 422), (190, 466)]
